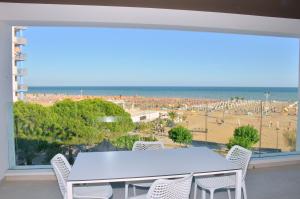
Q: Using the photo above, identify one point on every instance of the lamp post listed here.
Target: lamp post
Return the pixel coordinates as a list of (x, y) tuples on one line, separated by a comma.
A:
[(277, 132), (267, 95), (260, 126)]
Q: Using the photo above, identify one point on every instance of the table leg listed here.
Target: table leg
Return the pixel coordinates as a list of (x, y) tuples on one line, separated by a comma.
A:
[(126, 190), (238, 185), (69, 190)]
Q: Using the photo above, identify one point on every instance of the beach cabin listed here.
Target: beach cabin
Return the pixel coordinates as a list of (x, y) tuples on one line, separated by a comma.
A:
[(145, 116)]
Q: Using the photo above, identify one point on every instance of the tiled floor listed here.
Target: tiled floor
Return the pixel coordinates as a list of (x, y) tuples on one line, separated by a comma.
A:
[(268, 183)]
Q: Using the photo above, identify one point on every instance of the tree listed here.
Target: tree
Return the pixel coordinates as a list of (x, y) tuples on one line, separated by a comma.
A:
[(31, 120), (245, 136), (172, 115), (74, 126), (80, 123), (290, 139), (96, 109), (33, 131), (145, 127), (127, 141), (159, 126), (171, 121), (68, 124), (181, 135)]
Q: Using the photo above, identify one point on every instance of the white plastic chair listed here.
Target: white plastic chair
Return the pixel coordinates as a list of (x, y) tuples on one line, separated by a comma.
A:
[(237, 155), (62, 170), (169, 189), (142, 146)]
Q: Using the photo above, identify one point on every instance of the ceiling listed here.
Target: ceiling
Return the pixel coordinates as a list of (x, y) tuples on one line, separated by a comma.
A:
[(272, 8)]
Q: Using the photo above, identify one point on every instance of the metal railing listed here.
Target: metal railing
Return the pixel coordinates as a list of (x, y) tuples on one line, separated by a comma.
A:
[(20, 57), (22, 72), (22, 88), (20, 41)]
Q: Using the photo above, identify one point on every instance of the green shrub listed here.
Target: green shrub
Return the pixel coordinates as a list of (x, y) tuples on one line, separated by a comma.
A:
[(66, 124), (145, 127), (173, 115), (181, 135), (170, 123), (290, 139), (245, 136), (127, 141)]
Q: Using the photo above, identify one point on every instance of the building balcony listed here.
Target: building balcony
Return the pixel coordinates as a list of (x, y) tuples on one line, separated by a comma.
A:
[(22, 71), (20, 41), (18, 28), (22, 88), (20, 57), (15, 70)]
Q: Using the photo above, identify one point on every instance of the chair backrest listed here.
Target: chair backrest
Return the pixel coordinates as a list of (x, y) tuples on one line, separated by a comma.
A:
[(62, 170), (142, 146), (240, 156), (171, 189)]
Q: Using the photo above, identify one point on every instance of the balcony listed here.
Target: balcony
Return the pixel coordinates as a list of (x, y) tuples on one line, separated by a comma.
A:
[(20, 57), (262, 183), (20, 41), (15, 70), (22, 71), (18, 28), (22, 88), (278, 182)]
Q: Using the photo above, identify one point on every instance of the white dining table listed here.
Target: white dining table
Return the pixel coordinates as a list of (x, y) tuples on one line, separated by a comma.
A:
[(126, 166)]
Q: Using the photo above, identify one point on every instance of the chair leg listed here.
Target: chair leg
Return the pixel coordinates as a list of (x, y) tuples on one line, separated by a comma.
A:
[(195, 190), (229, 194), (212, 191), (244, 190), (203, 196), (126, 190), (134, 190)]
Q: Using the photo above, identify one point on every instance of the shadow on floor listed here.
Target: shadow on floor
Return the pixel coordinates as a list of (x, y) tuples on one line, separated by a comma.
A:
[(268, 183)]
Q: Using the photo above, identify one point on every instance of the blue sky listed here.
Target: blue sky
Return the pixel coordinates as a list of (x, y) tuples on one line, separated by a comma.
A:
[(143, 57)]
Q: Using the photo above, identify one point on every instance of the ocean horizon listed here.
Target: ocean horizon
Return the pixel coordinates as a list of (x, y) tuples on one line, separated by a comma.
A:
[(249, 93)]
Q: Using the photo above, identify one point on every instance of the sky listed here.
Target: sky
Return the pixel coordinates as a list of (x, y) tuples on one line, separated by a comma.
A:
[(64, 56)]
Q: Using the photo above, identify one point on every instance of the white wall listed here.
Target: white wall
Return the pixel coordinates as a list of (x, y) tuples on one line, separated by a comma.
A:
[(5, 94), (75, 15), (298, 124)]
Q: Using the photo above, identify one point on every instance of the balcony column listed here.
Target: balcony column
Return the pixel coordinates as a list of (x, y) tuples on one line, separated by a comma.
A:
[(298, 118), (6, 96)]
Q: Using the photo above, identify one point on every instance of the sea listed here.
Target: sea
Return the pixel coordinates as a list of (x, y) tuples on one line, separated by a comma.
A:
[(223, 93)]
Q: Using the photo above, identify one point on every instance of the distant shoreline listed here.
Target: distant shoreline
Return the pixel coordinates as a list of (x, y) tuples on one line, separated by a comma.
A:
[(45, 98), (220, 93), (50, 98)]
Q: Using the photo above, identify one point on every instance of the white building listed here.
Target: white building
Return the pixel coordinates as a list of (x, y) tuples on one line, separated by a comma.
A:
[(145, 116), (18, 41)]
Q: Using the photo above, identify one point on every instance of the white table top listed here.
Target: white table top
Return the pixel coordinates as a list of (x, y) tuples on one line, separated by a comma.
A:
[(137, 164)]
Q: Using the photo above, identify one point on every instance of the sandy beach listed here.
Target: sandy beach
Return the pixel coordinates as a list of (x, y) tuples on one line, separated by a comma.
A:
[(222, 116)]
